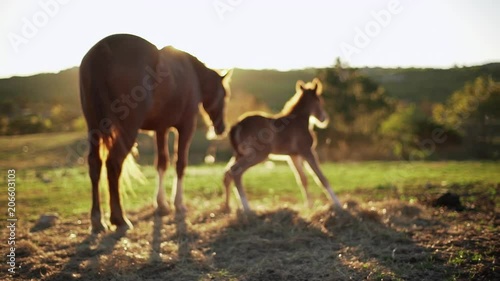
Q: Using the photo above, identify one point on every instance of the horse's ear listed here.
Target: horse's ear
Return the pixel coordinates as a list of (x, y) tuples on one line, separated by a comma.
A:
[(299, 86), (318, 87), (226, 75)]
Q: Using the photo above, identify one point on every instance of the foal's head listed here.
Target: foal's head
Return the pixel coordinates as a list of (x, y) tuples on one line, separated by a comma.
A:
[(215, 95), (311, 102)]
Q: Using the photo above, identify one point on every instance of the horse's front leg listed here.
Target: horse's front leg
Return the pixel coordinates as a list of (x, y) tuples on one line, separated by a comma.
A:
[(184, 137), (311, 158), (162, 158)]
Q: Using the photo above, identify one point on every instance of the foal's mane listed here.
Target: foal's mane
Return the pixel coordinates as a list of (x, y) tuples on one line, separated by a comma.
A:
[(294, 100)]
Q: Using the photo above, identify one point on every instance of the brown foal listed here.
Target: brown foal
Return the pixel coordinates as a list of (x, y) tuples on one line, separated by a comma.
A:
[(257, 136)]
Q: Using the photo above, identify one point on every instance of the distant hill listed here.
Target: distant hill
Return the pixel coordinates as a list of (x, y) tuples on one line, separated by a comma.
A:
[(273, 87), (434, 85), (39, 92), (60, 86), (270, 86)]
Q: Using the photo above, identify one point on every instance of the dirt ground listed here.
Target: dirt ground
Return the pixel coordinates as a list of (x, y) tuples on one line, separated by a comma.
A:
[(379, 235)]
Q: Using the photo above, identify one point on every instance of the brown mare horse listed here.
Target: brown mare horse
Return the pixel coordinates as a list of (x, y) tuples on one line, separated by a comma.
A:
[(256, 137), (127, 84)]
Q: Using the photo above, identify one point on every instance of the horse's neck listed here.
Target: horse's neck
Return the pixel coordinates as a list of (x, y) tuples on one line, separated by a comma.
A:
[(301, 112), (201, 70), (299, 119)]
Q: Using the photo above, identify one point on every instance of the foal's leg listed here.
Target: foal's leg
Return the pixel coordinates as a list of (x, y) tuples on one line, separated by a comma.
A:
[(296, 164), (95, 164), (242, 164), (312, 160), (160, 201), (228, 179), (121, 147), (185, 134)]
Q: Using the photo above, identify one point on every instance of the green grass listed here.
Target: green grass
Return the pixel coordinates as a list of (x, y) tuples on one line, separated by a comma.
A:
[(52, 177), (42, 150), (67, 190)]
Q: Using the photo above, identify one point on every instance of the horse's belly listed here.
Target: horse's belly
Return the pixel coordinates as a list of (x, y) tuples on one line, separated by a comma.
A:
[(157, 121), (285, 147)]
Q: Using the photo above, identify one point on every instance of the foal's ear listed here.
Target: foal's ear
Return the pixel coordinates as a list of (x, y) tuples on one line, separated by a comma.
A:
[(226, 75), (299, 86), (318, 87)]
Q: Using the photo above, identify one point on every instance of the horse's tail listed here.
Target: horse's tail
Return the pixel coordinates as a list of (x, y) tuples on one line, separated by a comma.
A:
[(102, 122), (94, 93), (234, 138), (131, 171)]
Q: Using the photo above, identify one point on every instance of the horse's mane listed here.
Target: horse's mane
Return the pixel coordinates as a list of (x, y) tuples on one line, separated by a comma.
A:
[(294, 100), (201, 69), (198, 66)]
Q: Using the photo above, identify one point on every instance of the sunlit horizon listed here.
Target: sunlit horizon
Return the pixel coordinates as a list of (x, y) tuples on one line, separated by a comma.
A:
[(256, 34)]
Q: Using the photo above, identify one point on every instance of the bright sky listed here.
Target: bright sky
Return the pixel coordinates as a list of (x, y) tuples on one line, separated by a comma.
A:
[(37, 37)]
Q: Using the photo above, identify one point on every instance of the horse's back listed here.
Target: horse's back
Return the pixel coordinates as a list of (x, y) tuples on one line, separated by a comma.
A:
[(270, 134), (248, 128), (120, 59), (123, 49), (176, 91), (110, 71), (251, 122)]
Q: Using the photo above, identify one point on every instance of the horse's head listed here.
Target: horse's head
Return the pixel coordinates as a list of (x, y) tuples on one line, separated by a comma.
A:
[(215, 95), (313, 101)]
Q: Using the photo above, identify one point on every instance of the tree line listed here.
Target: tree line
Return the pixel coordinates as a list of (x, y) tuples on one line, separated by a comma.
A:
[(375, 113), (368, 123)]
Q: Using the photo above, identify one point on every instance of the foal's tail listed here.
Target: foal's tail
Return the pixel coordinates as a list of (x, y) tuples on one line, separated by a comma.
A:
[(234, 134)]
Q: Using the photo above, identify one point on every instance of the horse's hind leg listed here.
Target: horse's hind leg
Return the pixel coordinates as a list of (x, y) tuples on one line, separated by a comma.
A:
[(161, 166), (311, 158), (95, 164), (296, 164), (228, 179), (120, 149), (242, 164)]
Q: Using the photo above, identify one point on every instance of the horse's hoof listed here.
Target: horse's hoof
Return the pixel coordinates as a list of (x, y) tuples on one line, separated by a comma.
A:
[(246, 216), (225, 209), (162, 210), (124, 227), (99, 227), (181, 208), (247, 212), (121, 223), (337, 208), (335, 202)]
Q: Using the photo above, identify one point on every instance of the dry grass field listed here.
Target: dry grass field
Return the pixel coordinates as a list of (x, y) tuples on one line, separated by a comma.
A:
[(390, 227)]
